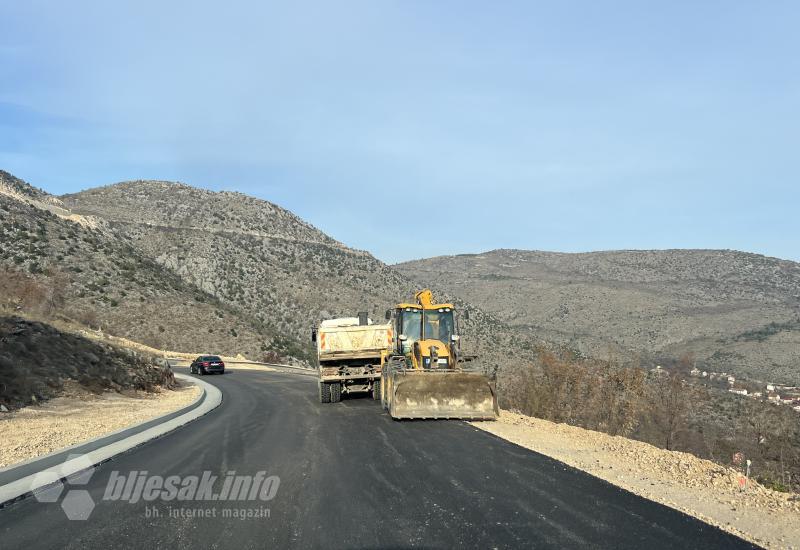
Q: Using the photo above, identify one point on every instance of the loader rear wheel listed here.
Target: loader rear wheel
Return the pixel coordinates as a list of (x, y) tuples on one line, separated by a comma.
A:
[(376, 390), (324, 392), (335, 392)]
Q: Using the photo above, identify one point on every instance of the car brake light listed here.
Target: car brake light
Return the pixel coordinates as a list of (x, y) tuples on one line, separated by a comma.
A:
[(205, 363), (221, 364)]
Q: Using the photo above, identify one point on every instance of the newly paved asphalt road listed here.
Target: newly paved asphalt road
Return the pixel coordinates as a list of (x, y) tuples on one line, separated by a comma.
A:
[(351, 477)]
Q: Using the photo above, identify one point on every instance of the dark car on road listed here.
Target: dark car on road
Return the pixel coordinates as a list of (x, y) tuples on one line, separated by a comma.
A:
[(207, 364)]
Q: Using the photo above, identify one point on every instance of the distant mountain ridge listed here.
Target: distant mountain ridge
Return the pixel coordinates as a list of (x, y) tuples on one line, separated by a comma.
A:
[(173, 204), (249, 253), (179, 267), (184, 268), (732, 310)]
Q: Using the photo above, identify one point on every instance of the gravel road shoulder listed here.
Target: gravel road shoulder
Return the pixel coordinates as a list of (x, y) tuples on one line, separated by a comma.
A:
[(78, 416), (682, 481)]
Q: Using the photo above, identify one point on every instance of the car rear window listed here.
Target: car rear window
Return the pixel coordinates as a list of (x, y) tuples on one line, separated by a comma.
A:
[(211, 358)]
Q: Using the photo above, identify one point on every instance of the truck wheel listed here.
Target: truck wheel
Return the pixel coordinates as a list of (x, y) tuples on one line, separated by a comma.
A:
[(376, 389), (324, 392), (335, 392)]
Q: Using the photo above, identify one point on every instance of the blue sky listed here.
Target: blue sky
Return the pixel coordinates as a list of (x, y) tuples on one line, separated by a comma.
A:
[(414, 129)]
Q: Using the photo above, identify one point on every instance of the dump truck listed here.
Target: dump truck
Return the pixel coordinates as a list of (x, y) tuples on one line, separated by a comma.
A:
[(351, 351), (424, 374)]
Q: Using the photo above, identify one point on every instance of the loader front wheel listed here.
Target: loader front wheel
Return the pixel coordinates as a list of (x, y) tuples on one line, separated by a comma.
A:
[(385, 394), (335, 392), (376, 390), (324, 392)]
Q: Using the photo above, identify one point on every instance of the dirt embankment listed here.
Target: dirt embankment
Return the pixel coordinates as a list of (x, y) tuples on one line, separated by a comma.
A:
[(58, 389), (37, 360), (698, 487), (79, 415)]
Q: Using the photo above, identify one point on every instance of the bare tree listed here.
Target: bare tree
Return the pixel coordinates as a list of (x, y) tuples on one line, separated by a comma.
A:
[(671, 405)]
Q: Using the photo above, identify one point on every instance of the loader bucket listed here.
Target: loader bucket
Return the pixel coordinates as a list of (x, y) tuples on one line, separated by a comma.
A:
[(443, 394)]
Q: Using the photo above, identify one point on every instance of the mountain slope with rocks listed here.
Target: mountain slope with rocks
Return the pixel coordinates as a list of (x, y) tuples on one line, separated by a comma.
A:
[(258, 258), (248, 253), (731, 311), (182, 268), (79, 267)]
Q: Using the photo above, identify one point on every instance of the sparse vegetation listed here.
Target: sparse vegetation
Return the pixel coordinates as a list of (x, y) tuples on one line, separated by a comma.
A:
[(737, 312), (660, 408), (763, 334)]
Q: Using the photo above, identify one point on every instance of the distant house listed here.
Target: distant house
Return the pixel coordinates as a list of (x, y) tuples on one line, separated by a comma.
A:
[(756, 394), (738, 392), (770, 387), (695, 372), (731, 379)]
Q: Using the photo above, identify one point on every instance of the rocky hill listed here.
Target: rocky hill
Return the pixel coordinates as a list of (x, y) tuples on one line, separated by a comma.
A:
[(248, 253), (260, 259), (183, 268), (179, 267), (732, 311), (19, 189), (81, 268)]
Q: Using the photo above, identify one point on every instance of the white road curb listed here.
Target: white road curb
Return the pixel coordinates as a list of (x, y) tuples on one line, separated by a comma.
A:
[(33, 482)]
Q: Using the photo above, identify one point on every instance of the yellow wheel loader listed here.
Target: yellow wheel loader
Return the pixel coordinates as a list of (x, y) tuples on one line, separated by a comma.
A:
[(423, 375)]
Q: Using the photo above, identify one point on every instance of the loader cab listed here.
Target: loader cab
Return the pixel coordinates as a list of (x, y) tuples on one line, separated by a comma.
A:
[(438, 324), (408, 327), (412, 324)]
